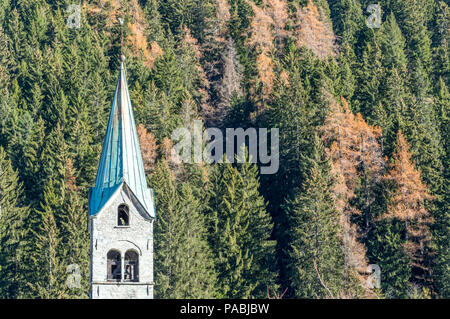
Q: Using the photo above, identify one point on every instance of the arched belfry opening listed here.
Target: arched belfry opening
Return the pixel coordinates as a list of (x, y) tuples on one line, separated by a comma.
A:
[(114, 266), (131, 266), (123, 215)]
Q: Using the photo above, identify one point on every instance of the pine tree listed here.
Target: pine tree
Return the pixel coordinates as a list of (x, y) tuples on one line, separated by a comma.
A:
[(6, 61), (347, 20), (240, 231), (267, 63), (74, 239), (13, 231), (385, 248), (393, 45), (47, 279), (55, 156), (441, 54), (183, 264), (346, 84), (25, 154), (370, 78), (422, 131), (296, 108), (263, 270), (442, 214), (414, 16), (395, 95), (190, 13), (315, 262)]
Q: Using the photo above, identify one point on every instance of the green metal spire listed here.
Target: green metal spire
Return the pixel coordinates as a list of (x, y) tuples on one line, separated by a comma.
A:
[(121, 159)]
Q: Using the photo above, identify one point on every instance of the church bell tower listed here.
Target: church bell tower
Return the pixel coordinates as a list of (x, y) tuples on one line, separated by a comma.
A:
[(121, 209)]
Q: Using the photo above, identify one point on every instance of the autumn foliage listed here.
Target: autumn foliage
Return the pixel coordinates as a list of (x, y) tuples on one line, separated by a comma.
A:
[(223, 14), (314, 32), (223, 70), (408, 200), (408, 205), (149, 148), (112, 10), (261, 38), (261, 30), (138, 37), (354, 150), (71, 180), (352, 146), (278, 11)]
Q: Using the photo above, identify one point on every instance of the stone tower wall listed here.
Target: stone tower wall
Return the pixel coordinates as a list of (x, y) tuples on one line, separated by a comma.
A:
[(106, 235)]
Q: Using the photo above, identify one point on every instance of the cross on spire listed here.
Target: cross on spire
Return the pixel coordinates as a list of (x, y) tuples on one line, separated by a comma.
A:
[(121, 36)]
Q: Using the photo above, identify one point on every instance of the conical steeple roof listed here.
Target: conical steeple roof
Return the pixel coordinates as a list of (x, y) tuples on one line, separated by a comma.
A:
[(121, 159)]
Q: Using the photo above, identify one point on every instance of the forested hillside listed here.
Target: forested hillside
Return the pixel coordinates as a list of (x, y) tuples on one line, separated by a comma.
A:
[(362, 113)]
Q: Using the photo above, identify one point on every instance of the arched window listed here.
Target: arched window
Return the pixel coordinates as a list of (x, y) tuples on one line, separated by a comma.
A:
[(123, 216), (114, 265), (131, 266)]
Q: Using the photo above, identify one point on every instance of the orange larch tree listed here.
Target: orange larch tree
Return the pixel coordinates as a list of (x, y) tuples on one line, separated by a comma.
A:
[(138, 38), (315, 32), (223, 15), (278, 11), (261, 38), (149, 148), (408, 205), (111, 10), (221, 65), (71, 179), (355, 153), (267, 28), (261, 30)]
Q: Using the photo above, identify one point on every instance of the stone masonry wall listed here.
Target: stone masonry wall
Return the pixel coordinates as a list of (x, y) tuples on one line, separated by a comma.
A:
[(106, 235)]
